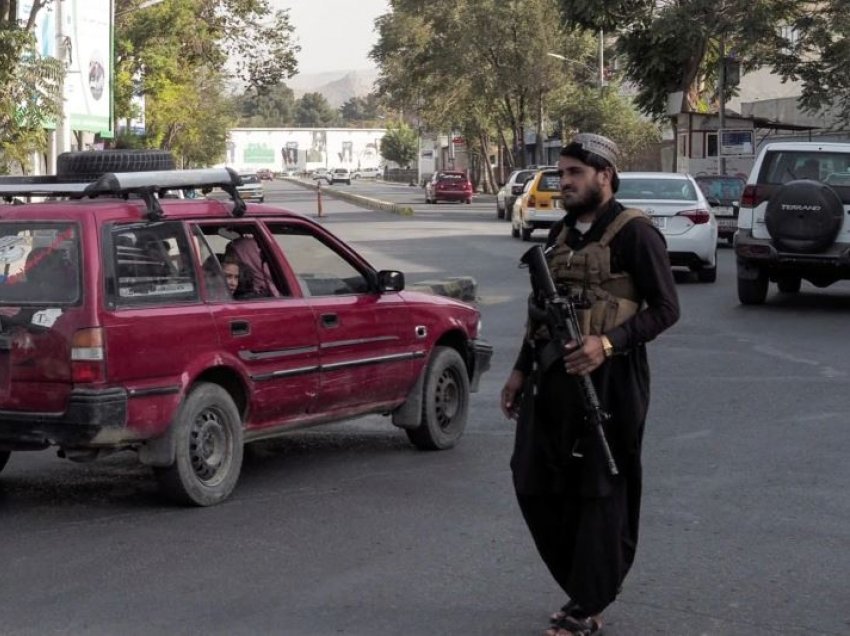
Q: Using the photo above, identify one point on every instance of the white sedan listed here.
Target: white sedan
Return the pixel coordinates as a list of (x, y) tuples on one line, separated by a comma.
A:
[(680, 210)]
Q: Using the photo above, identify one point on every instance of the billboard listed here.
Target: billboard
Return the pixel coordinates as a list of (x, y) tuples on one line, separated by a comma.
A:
[(301, 149), (88, 80)]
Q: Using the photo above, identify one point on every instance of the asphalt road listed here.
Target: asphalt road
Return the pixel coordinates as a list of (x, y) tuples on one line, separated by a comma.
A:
[(348, 530)]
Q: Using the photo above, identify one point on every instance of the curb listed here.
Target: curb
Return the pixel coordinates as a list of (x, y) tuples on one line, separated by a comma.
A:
[(365, 202), (460, 287)]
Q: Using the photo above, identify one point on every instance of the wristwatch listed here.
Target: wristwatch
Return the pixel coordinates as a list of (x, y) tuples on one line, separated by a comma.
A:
[(607, 347)]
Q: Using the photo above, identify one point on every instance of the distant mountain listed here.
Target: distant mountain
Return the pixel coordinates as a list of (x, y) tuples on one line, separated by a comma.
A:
[(336, 86)]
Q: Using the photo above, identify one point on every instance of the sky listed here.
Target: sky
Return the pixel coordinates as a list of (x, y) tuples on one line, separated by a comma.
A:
[(334, 34)]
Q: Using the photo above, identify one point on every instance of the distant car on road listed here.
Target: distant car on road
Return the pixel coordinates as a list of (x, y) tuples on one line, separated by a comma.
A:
[(265, 174), (321, 174), (680, 210), (511, 191), (251, 188), (340, 175), (724, 195), (367, 173), (448, 186), (538, 207)]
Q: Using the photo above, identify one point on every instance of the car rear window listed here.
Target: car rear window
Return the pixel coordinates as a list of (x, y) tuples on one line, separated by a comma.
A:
[(549, 182), (781, 166), (657, 189), (39, 263), (452, 177), (250, 178), (723, 188), (522, 177)]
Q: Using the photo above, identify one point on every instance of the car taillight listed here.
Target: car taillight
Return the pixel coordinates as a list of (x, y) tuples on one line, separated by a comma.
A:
[(749, 197), (696, 217), (532, 201), (88, 363)]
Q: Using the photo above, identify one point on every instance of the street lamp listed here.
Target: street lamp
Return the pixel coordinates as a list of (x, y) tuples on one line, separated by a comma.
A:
[(587, 67)]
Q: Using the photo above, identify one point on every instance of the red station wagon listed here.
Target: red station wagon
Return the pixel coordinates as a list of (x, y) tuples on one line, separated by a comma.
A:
[(183, 328)]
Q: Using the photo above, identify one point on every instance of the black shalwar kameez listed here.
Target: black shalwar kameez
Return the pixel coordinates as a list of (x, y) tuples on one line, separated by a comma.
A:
[(584, 521)]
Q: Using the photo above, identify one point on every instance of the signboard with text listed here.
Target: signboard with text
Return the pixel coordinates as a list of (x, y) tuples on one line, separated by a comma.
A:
[(737, 142)]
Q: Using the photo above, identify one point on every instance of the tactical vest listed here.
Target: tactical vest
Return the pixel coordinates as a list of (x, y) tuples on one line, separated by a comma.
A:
[(605, 299)]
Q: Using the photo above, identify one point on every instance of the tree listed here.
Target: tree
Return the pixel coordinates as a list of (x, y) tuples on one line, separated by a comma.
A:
[(817, 54), (313, 110), (670, 47), (174, 54), (400, 144), (361, 110), (273, 107), (29, 88)]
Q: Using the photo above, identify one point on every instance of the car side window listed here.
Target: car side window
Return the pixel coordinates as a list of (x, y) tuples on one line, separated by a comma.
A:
[(320, 269), (149, 264)]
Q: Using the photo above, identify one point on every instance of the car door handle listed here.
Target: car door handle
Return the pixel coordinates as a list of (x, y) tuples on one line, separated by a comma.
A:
[(330, 320), (240, 327)]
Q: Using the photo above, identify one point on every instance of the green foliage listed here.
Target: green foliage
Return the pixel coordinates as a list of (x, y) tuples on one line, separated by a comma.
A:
[(29, 90), (819, 57), (313, 110), (362, 111), (675, 46), (400, 144), (270, 108)]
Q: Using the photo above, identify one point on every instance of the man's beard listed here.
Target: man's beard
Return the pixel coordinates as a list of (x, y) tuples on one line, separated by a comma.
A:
[(588, 203)]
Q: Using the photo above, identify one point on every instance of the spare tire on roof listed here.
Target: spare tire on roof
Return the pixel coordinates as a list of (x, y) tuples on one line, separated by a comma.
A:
[(804, 216), (91, 164)]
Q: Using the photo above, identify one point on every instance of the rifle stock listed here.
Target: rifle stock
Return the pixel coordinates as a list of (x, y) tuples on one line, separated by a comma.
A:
[(561, 318)]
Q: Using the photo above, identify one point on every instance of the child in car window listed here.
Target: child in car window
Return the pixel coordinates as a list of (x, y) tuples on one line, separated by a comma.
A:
[(230, 267)]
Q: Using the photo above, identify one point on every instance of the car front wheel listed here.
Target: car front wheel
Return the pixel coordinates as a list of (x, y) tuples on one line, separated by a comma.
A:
[(208, 442), (752, 291), (445, 403)]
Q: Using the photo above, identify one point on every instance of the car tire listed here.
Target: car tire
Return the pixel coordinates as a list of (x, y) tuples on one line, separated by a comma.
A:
[(348, 182), (500, 213), (261, 199), (526, 233), (445, 402), (208, 441), (91, 164), (707, 274), (4, 459), (469, 202), (804, 216), (789, 284), (752, 291)]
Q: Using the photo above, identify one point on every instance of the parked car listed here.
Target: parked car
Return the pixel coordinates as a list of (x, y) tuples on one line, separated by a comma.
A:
[(118, 330), (321, 174), (251, 188), (509, 192), (340, 175), (680, 210), (367, 173), (538, 207), (793, 225), (265, 174), (723, 193), (448, 186)]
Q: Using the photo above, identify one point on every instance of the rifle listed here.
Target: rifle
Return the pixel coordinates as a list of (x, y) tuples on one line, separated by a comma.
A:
[(559, 315)]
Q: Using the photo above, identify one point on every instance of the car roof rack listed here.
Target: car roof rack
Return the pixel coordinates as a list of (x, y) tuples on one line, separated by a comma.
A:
[(144, 184)]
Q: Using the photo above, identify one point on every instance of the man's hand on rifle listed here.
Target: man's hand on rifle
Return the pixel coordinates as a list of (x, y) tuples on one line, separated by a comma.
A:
[(585, 359), (511, 394)]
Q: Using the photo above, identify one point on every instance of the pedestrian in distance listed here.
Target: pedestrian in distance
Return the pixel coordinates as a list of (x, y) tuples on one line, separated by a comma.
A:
[(613, 263)]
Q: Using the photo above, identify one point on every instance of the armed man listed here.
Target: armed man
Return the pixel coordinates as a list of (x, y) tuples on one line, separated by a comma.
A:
[(577, 454)]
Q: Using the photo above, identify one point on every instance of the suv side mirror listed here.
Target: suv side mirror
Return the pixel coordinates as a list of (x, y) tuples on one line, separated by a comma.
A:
[(390, 281)]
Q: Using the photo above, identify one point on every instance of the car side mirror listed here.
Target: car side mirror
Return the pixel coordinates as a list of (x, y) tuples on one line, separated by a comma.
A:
[(390, 281), (713, 201)]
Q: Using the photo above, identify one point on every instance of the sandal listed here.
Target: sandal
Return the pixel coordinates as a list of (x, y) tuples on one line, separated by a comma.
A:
[(569, 609), (573, 626)]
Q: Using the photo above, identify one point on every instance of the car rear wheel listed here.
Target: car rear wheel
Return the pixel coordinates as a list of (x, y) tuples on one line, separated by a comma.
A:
[(526, 233), (208, 442), (789, 284), (445, 403), (752, 291), (707, 274), (500, 213), (4, 458)]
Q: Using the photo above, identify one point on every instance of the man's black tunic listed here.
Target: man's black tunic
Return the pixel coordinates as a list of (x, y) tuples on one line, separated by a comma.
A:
[(583, 520)]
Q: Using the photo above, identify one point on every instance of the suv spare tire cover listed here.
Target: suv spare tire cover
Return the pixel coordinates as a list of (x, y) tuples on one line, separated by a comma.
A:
[(804, 216), (91, 164)]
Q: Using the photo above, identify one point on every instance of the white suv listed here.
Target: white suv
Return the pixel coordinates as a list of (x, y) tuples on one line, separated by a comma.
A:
[(791, 225)]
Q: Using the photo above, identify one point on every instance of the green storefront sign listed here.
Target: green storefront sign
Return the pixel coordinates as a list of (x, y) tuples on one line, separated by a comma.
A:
[(258, 153)]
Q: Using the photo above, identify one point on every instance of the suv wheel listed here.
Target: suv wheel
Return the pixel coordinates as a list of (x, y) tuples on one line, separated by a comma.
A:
[(804, 216), (208, 448), (789, 284), (445, 402), (526, 233), (91, 164), (707, 274), (500, 213), (752, 291), (4, 457)]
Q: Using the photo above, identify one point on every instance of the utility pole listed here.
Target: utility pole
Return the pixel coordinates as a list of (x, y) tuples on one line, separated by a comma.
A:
[(601, 60), (721, 94)]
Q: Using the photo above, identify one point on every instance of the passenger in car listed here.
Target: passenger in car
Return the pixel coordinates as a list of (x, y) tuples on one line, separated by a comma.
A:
[(245, 251)]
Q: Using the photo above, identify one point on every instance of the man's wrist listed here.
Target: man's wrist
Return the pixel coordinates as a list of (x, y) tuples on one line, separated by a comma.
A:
[(607, 347)]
